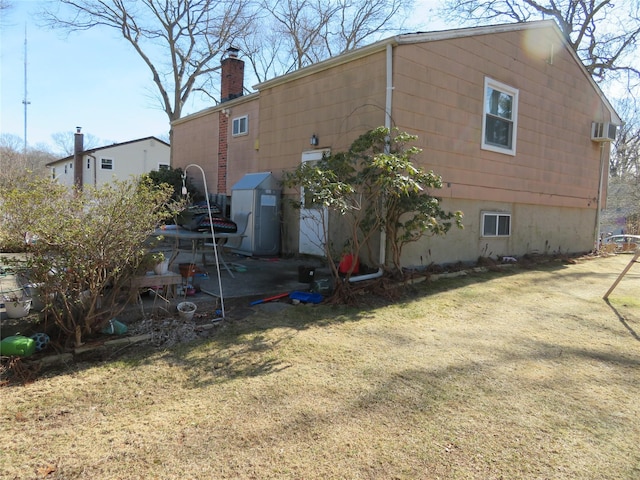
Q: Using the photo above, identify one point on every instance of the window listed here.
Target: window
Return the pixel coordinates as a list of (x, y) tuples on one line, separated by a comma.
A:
[(240, 126), (496, 224), (500, 117), (106, 163), (163, 166)]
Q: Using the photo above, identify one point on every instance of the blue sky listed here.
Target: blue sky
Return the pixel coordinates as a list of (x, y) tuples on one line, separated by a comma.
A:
[(92, 79)]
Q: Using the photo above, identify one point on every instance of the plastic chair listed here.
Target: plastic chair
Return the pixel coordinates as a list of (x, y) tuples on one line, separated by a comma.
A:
[(234, 240), (242, 221)]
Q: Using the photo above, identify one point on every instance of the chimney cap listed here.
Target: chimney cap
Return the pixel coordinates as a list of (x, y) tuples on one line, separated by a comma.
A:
[(233, 52), (78, 129)]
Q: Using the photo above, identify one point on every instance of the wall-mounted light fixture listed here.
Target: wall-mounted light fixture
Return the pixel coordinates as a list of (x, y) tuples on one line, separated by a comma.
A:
[(313, 140)]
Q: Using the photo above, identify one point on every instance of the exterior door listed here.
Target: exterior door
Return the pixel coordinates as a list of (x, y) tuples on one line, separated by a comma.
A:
[(313, 218)]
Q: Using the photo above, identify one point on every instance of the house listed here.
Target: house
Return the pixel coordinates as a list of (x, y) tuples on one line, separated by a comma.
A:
[(100, 165), (506, 114)]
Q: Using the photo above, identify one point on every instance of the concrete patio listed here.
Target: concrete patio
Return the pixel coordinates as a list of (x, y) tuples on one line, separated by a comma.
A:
[(251, 279)]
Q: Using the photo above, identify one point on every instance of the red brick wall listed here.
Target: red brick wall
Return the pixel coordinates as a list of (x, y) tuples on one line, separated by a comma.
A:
[(223, 128)]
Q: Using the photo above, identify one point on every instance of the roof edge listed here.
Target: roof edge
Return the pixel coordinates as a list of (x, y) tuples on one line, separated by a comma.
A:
[(329, 62), (405, 38), (95, 149), (215, 108), (421, 37), (511, 27)]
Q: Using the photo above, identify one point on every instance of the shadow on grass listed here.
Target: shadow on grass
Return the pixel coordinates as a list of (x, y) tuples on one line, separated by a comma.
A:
[(237, 341), (623, 321)]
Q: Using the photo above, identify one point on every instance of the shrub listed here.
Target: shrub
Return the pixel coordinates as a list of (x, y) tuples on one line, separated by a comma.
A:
[(375, 186), (83, 246)]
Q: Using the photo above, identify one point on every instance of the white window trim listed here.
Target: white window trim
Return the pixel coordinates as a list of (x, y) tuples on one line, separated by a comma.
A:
[(246, 123), (496, 85), (102, 167), (497, 215)]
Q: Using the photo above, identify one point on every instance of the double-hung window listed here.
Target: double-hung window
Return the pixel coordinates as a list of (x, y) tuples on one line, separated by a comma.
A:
[(496, 224), (240, 126), (500, 119), (106, 163)]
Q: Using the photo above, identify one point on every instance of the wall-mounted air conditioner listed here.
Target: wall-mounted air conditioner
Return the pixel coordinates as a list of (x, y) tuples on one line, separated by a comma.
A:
[(603, 132)]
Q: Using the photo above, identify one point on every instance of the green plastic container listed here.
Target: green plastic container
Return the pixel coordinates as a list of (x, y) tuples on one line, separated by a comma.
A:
[(17, 345), (115, 327)]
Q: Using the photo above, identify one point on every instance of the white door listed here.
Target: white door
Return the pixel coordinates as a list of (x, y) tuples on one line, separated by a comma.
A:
[(313, 218)]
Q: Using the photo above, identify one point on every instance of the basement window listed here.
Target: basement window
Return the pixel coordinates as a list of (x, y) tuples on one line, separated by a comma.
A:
[(106, 163), (240, 126), (496, 224)]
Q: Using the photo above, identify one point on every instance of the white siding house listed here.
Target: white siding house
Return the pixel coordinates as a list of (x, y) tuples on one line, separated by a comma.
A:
[(119, 161)]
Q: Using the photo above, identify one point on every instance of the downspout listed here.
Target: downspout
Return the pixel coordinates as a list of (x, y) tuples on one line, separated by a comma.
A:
[(600, 187), (387, 124), (95, 175)]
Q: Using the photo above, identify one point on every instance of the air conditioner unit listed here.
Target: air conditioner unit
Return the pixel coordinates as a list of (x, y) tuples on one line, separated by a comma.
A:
[(603, 132)]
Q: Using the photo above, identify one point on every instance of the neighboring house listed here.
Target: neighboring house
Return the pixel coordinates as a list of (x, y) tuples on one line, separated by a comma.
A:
[(117, 161), (503, 113)]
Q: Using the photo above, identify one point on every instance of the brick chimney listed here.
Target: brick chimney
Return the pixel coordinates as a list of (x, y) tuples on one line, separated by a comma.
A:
[(78, 149), (232, 82), (231, 86)]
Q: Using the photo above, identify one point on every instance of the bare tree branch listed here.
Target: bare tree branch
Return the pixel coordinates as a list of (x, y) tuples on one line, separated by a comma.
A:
[(178, 40), (603, 33), (298, 33), (624, 161)]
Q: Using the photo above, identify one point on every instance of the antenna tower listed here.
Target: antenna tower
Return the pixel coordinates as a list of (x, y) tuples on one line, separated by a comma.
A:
[(25, 101)]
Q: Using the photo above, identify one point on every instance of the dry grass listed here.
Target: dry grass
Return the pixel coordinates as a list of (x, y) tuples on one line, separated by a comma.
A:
[(521, 374)]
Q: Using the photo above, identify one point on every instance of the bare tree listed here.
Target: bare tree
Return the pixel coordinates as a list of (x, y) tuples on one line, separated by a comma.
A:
[(302, 23), (5, 5), (360, 21), (624, 162), (178, 40), (623, 192), (298, 33), (65, 141), (15, 163), (604, 33), (5, 12)]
